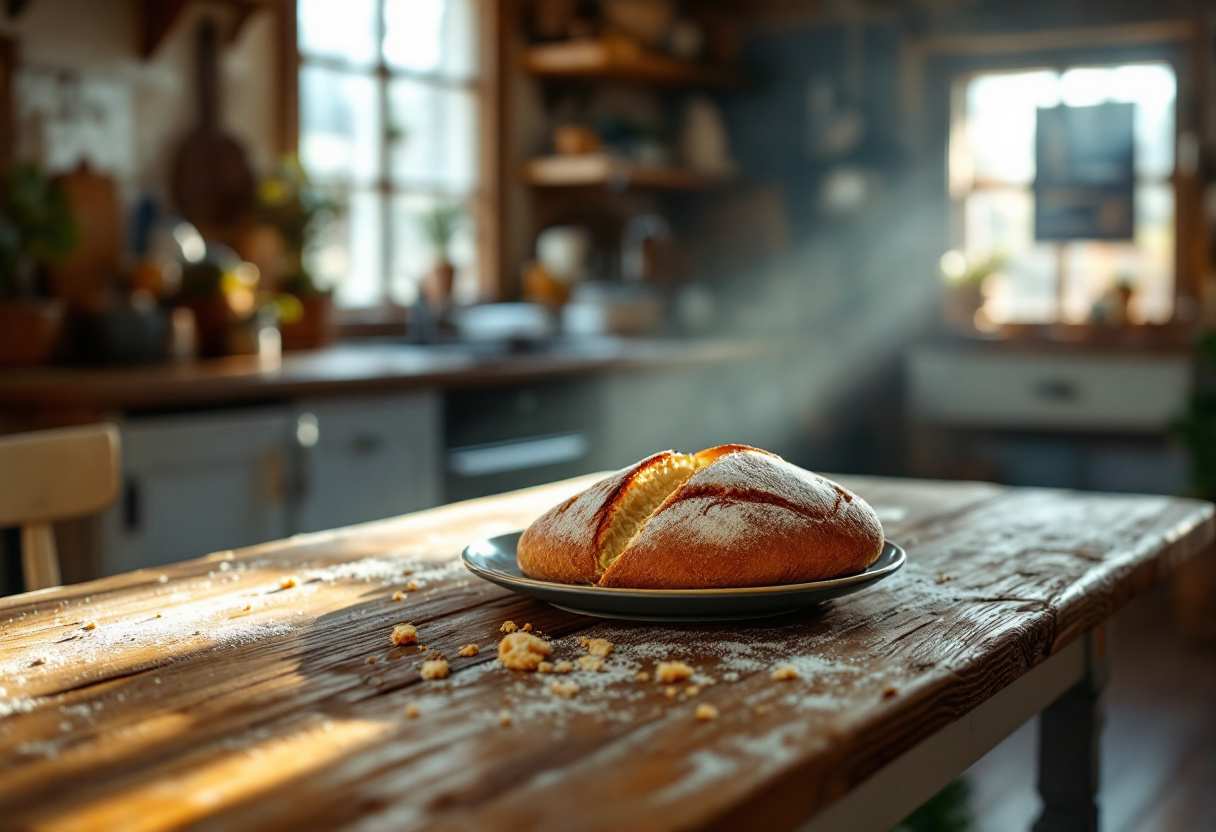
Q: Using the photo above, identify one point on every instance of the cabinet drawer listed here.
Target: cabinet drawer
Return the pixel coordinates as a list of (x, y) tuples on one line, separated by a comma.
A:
[(1106, 393)]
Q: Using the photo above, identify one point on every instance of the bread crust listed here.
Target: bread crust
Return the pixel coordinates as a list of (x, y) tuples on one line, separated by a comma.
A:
[(563, 544), (746, 518)]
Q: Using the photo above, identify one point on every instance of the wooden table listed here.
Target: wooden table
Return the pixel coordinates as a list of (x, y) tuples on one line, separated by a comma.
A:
[(216, 693)]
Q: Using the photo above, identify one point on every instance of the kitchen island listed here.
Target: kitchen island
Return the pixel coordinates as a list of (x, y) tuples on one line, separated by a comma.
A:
[(261, 688)]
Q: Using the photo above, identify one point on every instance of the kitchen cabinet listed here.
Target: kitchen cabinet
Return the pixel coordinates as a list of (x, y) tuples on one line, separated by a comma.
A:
[(198, 483), (366, 458)]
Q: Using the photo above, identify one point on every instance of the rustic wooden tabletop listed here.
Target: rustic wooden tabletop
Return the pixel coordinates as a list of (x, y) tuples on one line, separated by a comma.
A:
[(239, 691)]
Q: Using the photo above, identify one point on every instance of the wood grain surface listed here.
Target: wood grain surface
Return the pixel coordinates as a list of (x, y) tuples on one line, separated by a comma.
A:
[(216, 694)]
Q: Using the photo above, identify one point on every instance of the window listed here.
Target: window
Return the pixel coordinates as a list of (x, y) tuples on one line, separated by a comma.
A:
[(992, 172), (389, 107)]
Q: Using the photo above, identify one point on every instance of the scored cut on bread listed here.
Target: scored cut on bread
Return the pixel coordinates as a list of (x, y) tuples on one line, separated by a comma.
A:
[(730, 516)]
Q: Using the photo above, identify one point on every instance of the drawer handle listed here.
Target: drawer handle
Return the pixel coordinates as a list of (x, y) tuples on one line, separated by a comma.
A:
[(1057, 390), (517, 455)]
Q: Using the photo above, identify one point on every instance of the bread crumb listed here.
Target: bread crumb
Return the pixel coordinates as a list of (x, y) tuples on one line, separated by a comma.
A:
[(412, 586), (671, 691), (522, 651), (405, 634), (527, 627), (38, 661), (944, 579), (784, 672), (436, 668), (371, 659), (504, 717), (563, 666), (592, 664), (668, 672), (89, 625), (158, 615), (468, 650), (508, 627), (247, 608), (889, 691), (288, 583), (692, 690), (421, 648), (643, 676), (598, 647), (412, 711), (398, 596), (544, 667), (566, 688), (706, 711)]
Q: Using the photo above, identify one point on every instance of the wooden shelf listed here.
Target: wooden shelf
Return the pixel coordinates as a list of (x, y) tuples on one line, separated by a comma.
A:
[(611, 60), (602, 170)]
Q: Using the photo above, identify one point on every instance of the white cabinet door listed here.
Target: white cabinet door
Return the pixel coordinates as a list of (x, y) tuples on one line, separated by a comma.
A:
[(198, 484), (367, 458)]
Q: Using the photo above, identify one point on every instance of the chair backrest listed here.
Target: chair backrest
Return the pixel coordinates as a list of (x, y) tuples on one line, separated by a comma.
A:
[(54, 475)]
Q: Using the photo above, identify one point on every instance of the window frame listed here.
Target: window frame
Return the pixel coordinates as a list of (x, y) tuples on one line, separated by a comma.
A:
[(483, 201)]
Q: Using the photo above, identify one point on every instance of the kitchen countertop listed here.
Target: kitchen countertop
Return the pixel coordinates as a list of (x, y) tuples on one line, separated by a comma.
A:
[(71, 394), (239, 691)]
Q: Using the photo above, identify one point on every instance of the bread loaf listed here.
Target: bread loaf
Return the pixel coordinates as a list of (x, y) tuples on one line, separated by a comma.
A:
[(730, 516)]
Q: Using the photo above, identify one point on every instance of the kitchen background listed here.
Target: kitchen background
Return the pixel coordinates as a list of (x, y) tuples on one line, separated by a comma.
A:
[(329, 261)]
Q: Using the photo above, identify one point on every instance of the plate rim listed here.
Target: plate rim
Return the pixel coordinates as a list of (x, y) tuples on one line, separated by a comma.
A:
[(901, 558)]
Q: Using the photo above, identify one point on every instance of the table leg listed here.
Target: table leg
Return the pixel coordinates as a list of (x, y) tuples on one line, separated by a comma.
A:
[(1069, 730)]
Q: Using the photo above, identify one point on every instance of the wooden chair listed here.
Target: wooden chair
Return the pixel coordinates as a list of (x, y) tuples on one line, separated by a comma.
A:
[(54, 475)]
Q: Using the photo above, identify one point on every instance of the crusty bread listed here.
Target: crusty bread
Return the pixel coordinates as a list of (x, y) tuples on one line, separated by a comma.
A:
[(729, 516)]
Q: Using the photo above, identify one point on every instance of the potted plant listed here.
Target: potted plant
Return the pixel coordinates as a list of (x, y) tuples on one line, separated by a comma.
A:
[(439, 226), (36, 228), (298, 213)]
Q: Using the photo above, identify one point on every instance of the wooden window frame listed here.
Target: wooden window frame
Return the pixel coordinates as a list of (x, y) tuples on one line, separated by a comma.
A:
[(488, 88)]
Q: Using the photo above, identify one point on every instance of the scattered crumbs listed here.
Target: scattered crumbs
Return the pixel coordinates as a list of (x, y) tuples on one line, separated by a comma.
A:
[(522, 651), (508, 627), (38, 661), (598, 647), (527, 627), (411, 711), (371, 659), (643, 676), (436, 668), (404, 634), (563, 666), (544, 667), (398, 596), (671, 691), (706, 711), (784, 673), (162, 579), (89, 625), (504, 717), (567, 688), (692, 690), (592, 664), (412, 586), (288, 583), (247, 608), (668, 672), (889, 691), (944, 578), (468, 650), (18, 705)]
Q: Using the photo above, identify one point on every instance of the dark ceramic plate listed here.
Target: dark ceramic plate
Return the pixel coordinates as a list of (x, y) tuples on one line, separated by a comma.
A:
[(495, 560)]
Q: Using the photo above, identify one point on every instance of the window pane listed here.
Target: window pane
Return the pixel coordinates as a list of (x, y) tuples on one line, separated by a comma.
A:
[(350, 257), (342, 29), (433, 132), (1151, 87), (339, 126), (438, 36), (1002, 223), (1001, 116), (413, 255)]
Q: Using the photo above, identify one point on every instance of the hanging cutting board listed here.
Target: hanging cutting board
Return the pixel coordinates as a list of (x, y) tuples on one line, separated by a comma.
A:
[(83, 278), (213, 185)]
